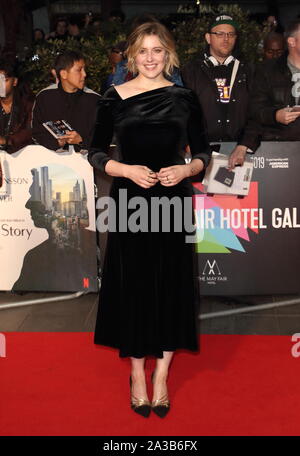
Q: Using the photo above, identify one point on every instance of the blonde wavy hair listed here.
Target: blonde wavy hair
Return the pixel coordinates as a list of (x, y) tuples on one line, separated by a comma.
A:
[(135, 40)]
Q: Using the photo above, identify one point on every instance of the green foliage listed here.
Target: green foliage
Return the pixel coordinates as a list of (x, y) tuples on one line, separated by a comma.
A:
[(37, 68), (189, 36)]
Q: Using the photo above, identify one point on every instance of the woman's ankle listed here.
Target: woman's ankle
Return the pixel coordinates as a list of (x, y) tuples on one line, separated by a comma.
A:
[(160, 375), (138, 376)]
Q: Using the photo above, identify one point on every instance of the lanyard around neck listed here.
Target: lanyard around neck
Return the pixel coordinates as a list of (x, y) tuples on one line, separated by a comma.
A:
[(233, 75)]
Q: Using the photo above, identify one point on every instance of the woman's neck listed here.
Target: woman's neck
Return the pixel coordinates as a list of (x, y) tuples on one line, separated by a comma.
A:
[(148, 84)]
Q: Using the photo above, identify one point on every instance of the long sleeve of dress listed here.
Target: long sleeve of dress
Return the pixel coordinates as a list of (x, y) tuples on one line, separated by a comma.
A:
[(197, 136), (103, 133)]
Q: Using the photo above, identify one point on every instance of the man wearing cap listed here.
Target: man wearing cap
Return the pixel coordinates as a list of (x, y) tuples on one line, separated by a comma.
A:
[(222, 84), (276, 92)]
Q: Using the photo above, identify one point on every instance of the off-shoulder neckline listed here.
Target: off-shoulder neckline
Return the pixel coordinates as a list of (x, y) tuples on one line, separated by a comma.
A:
[(142, 93)]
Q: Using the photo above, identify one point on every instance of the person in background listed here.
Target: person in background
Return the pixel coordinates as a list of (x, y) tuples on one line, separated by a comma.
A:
[(222, 84), (61, 30), (15, 110), (115, 56), (276, 90), (272, 24), (38, 36), (74, 27), (92, 25), (117, 15), (67, 100), (274, 45)]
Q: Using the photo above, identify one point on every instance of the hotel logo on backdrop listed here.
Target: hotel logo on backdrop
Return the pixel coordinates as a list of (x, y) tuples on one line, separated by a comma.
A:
[(211, 273), (224, 222)]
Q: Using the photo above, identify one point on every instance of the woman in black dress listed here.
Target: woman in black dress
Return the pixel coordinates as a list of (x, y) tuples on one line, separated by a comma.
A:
[(148, 298)]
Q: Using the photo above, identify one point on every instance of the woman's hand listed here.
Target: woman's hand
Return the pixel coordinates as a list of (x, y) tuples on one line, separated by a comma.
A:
[(141, 175), (172, 175)]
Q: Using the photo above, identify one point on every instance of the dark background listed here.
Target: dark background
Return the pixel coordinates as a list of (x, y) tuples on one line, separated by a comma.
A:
[(19, 17)]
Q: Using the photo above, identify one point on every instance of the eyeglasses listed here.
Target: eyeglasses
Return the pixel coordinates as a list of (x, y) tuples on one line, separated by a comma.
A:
[(223, 34)]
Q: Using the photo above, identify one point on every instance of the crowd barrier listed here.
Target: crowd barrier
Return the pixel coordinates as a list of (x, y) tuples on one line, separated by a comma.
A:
[(245, 246)]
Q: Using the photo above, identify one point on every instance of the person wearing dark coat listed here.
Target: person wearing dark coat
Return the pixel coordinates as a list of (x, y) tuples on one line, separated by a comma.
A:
[(222, 84), (276, 91), (69, 100), (16, 108)]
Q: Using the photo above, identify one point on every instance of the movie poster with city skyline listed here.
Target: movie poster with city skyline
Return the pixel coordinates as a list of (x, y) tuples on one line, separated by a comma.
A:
[(57, 191), (48, 220)]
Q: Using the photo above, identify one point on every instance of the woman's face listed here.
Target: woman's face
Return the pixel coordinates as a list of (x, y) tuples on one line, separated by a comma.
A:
[(151, 57)]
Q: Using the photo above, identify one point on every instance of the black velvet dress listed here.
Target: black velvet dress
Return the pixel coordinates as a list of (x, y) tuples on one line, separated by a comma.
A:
[(148, 297)]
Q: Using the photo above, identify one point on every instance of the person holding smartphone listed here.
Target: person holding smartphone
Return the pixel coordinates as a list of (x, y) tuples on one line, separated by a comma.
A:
[(276, 90)]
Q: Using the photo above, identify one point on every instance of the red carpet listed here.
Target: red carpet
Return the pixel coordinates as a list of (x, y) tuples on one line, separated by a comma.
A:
[(62, 384)]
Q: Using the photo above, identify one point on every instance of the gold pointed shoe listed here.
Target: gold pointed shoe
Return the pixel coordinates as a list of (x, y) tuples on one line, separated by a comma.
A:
[(161, 406), (138, 405)]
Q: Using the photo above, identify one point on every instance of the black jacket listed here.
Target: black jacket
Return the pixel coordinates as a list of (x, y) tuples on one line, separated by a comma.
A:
[(18, 130), (272, 90), (222, 125), (79, 109)]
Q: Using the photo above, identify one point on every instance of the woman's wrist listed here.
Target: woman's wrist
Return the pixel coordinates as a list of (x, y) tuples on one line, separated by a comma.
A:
[(126, 170), (116, 169), (194, 167)]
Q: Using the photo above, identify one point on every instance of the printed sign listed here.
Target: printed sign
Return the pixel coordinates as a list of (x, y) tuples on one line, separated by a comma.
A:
[(47, 222), (250, 245)]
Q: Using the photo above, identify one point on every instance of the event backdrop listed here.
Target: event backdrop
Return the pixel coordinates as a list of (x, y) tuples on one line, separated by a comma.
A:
[(245, 245), (47, 222), (251, 245)]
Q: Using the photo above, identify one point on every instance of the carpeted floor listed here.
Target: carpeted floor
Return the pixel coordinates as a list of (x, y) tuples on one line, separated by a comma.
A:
[(62, 384)]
